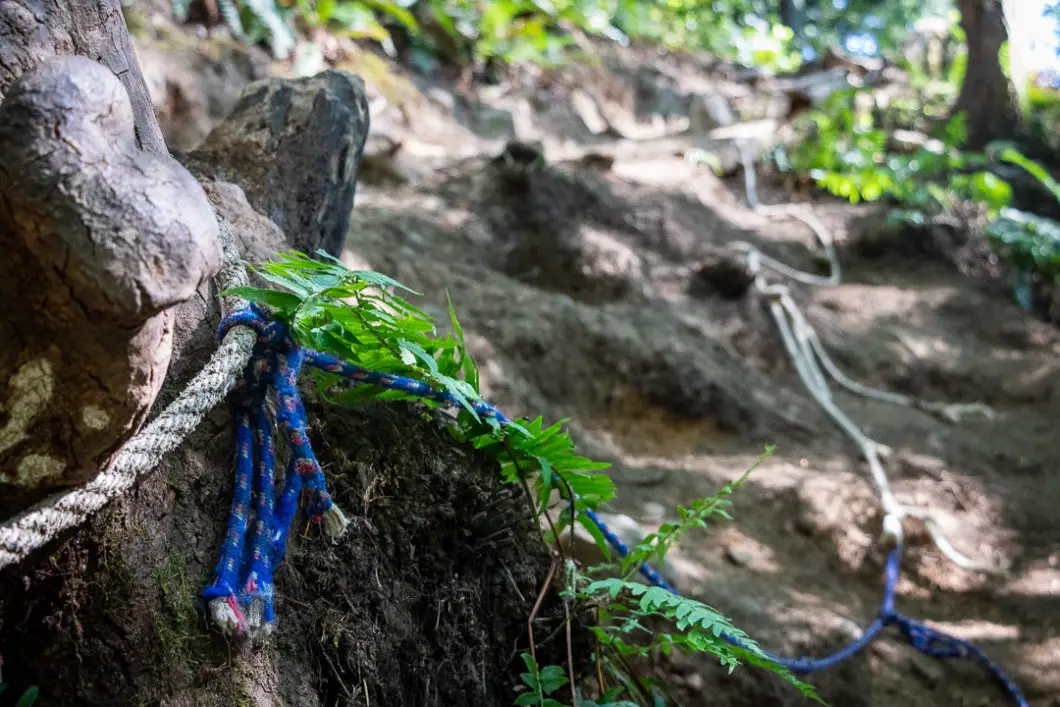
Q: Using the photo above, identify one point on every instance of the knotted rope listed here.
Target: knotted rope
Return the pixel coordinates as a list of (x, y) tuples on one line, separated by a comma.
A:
[(270, 360), (929, 641), (244, 604), (36, 526), (811, 362)]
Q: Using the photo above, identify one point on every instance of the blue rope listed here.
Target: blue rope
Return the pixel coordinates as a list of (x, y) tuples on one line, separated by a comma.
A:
[(276, 364), (925, 639)]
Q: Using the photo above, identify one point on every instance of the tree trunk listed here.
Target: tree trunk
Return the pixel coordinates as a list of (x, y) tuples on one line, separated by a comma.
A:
[(793, 16), (987, 96), (35, 31), (109, 248)]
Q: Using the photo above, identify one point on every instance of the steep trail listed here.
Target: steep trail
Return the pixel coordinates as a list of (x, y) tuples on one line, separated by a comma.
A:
[(575, 284), (578, 281)]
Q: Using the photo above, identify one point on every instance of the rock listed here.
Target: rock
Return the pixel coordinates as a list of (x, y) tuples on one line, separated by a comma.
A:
[(294, 147), (32, 33), (456, 562)]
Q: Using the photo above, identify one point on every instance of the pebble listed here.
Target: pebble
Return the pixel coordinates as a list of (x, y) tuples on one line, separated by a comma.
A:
[(740, 558), (928, 670), (806, 523), (653, 511)]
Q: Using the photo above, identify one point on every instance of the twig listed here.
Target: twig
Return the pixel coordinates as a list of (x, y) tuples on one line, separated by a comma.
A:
[(537, 606), (599, 662), (570, 655)]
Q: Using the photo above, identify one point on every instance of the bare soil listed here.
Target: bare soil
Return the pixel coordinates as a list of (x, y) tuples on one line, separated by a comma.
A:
[(574, 279)]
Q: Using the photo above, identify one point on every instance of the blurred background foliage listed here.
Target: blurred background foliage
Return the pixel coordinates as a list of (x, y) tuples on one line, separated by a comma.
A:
[(774, 34), (860, 143)]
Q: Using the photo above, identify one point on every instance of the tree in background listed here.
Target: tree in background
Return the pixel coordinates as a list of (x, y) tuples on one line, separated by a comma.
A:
[(987, 96)]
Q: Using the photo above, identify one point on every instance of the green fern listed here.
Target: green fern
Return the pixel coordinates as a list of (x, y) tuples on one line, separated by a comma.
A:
[(700, 628), (357, 315), (656, 546)]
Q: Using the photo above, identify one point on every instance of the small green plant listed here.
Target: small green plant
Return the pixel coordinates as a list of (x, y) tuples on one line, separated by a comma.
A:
[(848, 156), (541, 682), (1029, 241), (627, 607), (357, 315), (846, 153)]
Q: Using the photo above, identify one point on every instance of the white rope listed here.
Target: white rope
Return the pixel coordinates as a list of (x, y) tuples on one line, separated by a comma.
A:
[(815, 366), (33, 528)]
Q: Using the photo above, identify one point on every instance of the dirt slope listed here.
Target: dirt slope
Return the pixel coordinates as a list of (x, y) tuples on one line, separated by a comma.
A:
[(573, 280)]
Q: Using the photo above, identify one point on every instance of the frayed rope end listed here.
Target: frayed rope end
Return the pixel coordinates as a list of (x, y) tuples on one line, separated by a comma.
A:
[(261, 621), (335, 523), (226, 615)]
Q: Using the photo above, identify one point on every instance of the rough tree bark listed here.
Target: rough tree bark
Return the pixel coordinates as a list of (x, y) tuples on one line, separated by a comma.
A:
[(101, 241), (35, 30), (109, 244), (986, 95)]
